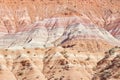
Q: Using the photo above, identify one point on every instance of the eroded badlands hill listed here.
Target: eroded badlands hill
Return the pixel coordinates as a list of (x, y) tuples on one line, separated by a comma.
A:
[(51, 32), (47, 64), (56, 39), (44, 23), (17, 15)]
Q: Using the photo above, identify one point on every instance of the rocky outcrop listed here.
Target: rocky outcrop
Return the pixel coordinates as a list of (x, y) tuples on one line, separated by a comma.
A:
[(108, 67)]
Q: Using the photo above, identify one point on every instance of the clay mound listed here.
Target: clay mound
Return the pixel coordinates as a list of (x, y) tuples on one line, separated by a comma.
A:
[(108, 67)]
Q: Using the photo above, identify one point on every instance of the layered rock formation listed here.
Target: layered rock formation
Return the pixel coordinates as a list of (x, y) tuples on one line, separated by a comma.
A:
[(57, 39), (43, 23), (58, 31), (18, 15)]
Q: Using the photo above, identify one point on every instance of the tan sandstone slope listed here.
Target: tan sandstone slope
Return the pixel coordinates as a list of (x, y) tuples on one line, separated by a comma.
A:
[(47, 64)]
